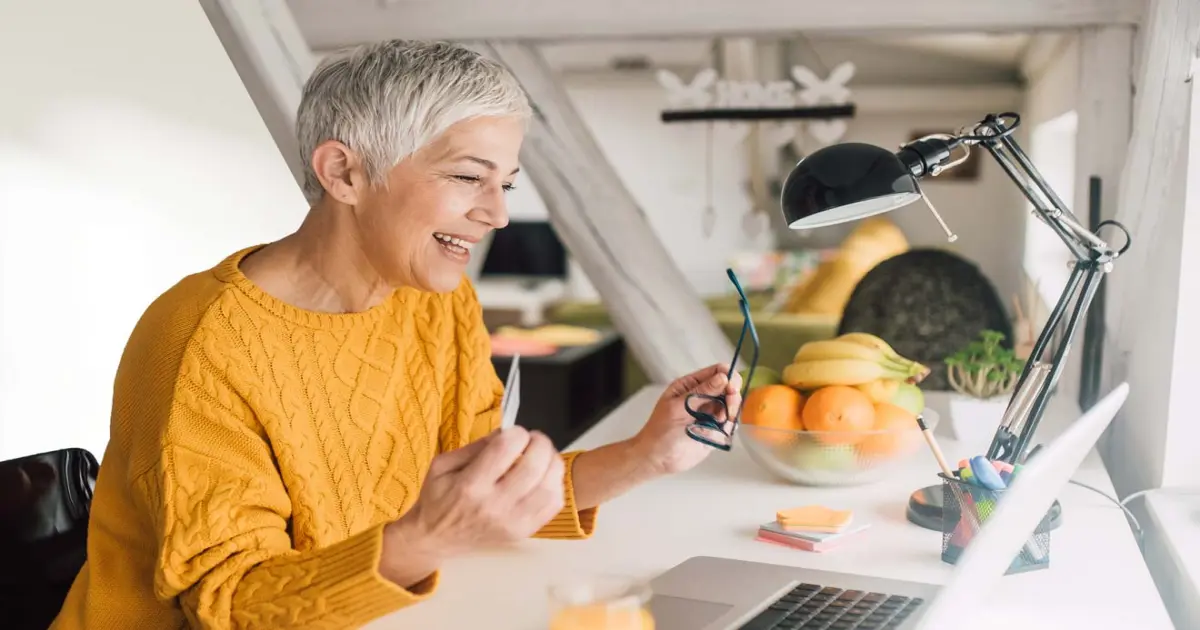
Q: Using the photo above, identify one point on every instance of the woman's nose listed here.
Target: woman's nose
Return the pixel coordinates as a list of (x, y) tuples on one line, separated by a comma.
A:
[(497, 209), (493, 213)]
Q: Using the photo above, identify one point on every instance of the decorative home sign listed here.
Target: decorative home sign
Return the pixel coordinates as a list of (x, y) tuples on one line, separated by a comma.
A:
[(732, 108), (822, 103)]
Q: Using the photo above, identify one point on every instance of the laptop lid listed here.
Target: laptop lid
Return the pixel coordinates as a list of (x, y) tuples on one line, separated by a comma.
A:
[(1026, 501)]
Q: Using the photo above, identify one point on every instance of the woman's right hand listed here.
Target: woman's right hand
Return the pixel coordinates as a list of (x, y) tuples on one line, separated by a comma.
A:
[(501, 488)]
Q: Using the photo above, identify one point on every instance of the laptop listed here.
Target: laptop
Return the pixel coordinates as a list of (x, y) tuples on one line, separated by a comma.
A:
[(708, 593)]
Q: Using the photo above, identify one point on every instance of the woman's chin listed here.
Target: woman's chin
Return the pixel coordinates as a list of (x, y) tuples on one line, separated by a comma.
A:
[(443, 278)]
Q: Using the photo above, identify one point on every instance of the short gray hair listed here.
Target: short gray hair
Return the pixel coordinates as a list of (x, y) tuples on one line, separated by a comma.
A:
[(386, 100)]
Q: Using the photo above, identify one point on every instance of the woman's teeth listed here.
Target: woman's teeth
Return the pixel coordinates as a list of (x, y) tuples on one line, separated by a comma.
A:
[(453, 244)]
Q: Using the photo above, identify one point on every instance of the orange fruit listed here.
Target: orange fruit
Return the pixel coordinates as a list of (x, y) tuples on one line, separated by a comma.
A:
[(773, 407), (840, 409), (903, 432)]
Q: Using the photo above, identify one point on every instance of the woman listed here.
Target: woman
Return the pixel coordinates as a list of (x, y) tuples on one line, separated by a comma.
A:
[(304, 433)]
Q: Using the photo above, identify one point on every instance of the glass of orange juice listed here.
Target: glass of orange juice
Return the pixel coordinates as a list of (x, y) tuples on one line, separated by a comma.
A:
[(600, 602)]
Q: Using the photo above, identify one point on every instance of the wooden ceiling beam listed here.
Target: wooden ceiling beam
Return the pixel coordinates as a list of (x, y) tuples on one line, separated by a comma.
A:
[(332, 24)]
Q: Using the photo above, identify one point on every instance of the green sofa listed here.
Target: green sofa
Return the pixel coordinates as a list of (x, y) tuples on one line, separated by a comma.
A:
[(779, 334)]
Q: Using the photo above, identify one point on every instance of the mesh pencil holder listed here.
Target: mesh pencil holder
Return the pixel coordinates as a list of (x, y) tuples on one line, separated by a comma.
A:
[(966, 507)]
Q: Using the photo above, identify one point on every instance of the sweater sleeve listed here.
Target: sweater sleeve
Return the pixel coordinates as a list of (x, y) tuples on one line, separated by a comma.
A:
[(220, 516), (481, 391)]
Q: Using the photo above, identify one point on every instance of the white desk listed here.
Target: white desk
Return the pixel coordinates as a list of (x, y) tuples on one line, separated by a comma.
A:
[(1097, 578), (1173, 549)]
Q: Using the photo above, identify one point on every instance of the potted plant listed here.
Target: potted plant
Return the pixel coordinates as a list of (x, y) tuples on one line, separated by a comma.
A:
[(982, 375)]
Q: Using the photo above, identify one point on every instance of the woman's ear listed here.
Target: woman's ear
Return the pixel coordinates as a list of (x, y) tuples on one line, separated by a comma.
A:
[(340, 171)]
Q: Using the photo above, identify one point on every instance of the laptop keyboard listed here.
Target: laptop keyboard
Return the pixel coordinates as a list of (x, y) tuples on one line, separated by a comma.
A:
[(810, 606)]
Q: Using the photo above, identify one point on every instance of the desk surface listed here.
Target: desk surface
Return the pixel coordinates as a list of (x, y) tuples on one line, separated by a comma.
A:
[(1097, 577)]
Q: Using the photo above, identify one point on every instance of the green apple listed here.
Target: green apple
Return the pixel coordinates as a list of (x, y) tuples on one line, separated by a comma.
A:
[(909, 397), (762, 376), (833, 457)]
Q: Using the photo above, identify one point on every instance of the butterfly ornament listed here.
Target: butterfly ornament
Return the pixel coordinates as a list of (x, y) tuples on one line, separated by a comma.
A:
[(682, 95), (831, 90)]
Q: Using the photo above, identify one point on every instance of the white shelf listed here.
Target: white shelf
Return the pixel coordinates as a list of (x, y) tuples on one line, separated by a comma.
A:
[(532, 298)]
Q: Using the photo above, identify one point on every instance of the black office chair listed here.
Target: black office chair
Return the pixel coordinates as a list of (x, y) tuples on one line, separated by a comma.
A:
[(45, 500), (928, 304)]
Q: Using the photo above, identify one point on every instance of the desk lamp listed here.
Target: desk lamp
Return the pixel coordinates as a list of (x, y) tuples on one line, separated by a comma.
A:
[(852, 181)]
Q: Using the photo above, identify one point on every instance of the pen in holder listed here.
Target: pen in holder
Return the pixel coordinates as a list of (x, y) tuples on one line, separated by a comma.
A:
[(966, 506)]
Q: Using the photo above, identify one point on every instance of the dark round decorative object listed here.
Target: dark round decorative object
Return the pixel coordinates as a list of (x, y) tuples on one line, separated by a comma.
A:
[(928, 304)]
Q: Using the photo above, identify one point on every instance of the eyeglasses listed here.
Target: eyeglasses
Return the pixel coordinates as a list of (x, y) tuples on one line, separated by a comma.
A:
[(710, 413)]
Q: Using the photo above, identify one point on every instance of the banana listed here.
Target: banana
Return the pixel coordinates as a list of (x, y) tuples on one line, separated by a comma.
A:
[(870, 341), (918, 372), (839, 349), (822, 372)]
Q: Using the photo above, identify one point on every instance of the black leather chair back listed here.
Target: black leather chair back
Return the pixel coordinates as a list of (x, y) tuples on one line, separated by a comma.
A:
[(45, 500)]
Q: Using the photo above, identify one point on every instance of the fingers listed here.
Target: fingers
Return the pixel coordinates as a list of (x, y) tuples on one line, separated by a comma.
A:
[(716, 383), (733, 394), (455, 460), (530, 468), (546, 499), (690, 382), (498, 455), (734, 387)]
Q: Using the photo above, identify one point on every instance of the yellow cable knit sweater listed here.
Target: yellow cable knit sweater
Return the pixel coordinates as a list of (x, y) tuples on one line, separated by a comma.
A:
[(257, 450)]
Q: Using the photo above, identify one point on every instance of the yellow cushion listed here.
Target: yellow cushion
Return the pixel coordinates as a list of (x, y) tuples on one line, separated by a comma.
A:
[(827, 290)]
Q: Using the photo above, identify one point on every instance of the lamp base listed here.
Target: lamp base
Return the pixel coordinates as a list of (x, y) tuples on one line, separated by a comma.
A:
[(925, 509)]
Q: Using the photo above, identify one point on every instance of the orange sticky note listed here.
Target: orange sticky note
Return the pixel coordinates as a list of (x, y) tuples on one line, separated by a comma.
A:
[(816, 529), (814, 518)]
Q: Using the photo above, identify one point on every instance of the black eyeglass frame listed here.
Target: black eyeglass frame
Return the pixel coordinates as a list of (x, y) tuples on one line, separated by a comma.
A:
[(706, 422)]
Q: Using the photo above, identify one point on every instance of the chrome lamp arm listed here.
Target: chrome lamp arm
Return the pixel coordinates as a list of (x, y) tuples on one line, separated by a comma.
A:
[(1093, 258)]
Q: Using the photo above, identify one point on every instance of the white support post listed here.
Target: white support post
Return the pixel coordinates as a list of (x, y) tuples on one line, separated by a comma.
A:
[(270, 55), (1144, 293), (1181, 467), (738, 61), (663, 321)]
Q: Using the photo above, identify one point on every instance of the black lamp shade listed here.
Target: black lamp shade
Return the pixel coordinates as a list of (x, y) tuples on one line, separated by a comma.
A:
[(846, 182)]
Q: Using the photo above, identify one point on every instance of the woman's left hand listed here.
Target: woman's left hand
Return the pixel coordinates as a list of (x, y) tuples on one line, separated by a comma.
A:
[(664, 439)]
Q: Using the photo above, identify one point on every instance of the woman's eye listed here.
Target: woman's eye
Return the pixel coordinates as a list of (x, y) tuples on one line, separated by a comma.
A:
[(476, 180)]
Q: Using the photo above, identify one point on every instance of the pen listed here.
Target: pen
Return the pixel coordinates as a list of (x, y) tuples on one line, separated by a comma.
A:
[(933, 446)]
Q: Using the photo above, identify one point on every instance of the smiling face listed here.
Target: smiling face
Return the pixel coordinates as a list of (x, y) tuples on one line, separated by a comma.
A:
[(438, 203)]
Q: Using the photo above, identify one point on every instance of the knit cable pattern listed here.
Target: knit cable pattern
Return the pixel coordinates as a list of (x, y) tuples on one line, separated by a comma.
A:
[(259, 450)]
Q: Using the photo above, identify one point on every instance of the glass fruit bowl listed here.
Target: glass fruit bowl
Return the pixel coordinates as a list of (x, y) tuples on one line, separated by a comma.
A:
[(833, 458)]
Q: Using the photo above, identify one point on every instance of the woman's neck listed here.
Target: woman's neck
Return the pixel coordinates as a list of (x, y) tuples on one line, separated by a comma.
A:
[(321, 267)]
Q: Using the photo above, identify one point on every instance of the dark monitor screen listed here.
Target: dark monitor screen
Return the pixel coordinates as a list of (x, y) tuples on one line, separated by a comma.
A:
[(527, 249)]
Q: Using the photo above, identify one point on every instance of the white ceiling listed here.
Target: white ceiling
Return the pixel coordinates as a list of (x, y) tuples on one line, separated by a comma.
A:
[(981, 50), (335, 23), (971, 58), (886, 59), (928, 60)]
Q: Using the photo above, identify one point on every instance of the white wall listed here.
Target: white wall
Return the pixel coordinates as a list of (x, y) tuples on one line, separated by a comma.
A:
[(130, 155), (664, 167), (1048, 135)]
